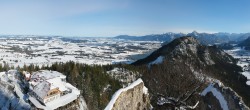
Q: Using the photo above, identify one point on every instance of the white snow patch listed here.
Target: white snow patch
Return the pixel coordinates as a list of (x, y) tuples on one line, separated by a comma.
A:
[(117, 94), (156, 61), (246, 74), (145, 90), (248, 83), (217, 94), (193, 107), (83, 105), (162, 101)]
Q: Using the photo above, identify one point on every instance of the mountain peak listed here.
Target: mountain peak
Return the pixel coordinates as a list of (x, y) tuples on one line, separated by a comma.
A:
[(187, 40), (183, 46), (195, 33)]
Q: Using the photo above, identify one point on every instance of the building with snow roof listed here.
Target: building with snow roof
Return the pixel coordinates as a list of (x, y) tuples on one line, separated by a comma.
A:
[(50, 87)]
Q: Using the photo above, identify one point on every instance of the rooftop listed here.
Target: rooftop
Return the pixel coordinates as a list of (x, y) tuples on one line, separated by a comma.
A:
[(62, 101), (46, 74)]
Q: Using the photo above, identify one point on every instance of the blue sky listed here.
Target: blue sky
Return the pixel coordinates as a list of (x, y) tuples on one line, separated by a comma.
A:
[(107, 18)]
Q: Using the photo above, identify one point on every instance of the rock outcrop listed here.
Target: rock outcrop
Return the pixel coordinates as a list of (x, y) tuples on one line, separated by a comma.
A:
[(217, 96), (133, 97)]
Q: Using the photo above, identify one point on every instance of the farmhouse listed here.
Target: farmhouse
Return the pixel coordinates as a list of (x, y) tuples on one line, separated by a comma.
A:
[(50, 88)]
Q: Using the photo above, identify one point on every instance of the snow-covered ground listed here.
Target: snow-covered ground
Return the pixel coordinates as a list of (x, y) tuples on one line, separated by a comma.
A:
[(11, 94), (244, 60), (17, 51)]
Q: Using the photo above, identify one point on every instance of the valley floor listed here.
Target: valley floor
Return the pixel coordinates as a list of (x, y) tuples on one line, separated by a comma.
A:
[(243, 57)]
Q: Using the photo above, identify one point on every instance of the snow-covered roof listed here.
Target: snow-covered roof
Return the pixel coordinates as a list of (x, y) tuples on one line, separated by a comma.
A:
[(45, 80), (46, 74), (117, 93), (42, 88), (63, 100), (57, 83), (12, 72)]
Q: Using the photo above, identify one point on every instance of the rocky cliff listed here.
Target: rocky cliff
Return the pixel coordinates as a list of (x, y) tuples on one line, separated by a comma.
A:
[(133, 97)]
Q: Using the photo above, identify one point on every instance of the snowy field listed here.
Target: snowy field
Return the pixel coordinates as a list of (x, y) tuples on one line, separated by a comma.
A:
[(25, 50), (244, 60)]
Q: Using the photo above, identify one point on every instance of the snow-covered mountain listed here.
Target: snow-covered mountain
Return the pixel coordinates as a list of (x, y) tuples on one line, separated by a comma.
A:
[(187, 74), (204, 38), (245, 44), (153, 37)]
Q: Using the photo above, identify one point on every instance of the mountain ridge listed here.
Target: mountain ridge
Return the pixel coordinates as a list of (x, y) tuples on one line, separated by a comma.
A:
[(204, 38), (245, 43), (187, 64)]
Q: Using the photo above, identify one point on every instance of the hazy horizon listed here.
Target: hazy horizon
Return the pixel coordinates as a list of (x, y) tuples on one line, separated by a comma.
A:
[(35, 35)]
